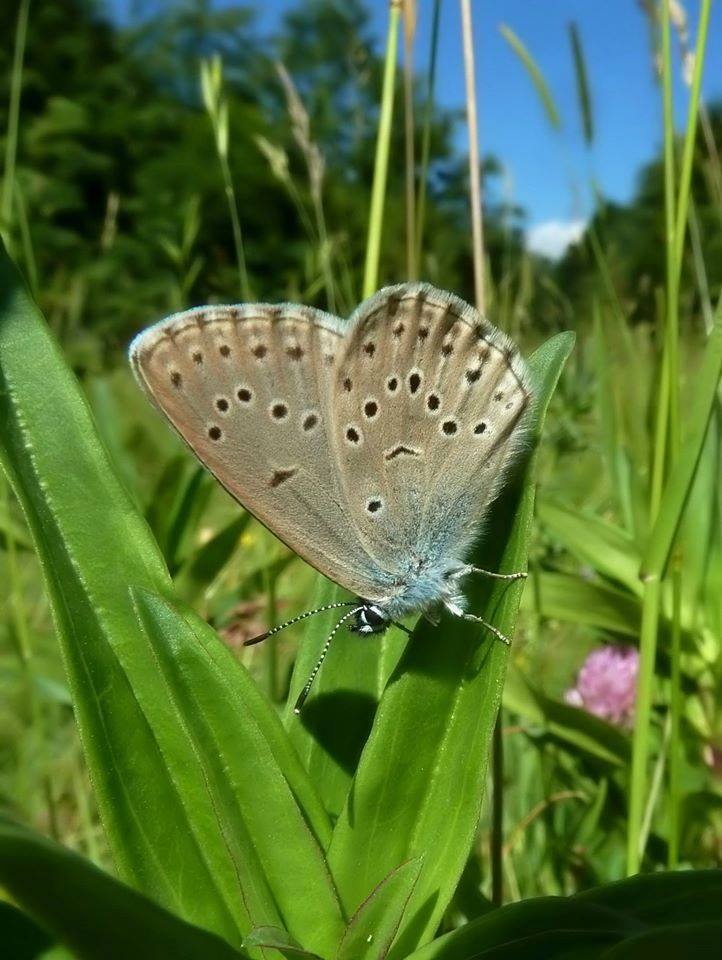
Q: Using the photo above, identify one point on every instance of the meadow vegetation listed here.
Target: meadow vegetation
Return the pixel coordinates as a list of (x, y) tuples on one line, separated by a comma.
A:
[(189, 159)]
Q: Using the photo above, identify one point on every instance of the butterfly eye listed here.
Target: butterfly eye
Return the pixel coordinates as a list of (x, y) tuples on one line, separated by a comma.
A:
[(392, 384), (374, 505), (222, 404), (433, 402), (244, 395), (279, 411), (449, 427), (371, 408)]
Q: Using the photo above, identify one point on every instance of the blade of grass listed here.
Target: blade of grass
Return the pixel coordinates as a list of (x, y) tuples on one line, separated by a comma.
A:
[(11, 135), (580, 73), (409, 10), (676, 224), (676, 493), (535, 74), (426, 134), (381, 162), (475, 198)]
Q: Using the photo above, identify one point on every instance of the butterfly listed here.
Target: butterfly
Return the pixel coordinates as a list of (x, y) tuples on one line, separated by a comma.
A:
[(373, 448)]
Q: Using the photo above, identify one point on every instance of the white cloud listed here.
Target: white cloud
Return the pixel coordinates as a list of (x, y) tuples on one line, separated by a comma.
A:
[(552, 237)]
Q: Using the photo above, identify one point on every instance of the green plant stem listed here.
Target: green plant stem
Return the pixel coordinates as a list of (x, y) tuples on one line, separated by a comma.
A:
[(497, 813), (477, 223), (426, 132), (409, 129), (662, 510), (675, 718), (381, 162), (11, 137), (642, 724), (230, 192)]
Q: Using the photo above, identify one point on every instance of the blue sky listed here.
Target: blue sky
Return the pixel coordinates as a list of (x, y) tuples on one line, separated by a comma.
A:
[(548, 172)]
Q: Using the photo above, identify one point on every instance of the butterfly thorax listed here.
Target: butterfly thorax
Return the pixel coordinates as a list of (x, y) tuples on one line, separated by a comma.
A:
[(427, 584)]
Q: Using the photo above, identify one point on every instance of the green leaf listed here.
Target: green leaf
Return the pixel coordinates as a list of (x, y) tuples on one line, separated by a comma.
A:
[(580, 72), (371, 930), (626, 916), (276, 938), (336, 720), (548, 927), (671, 943), (234, 767), (537, 77), (420, 782), (604, 546), (20, 937), (164, 819), (90, 912), (592, 604)]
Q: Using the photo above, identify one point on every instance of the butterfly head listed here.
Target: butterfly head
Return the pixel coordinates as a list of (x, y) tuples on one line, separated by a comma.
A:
[(370, 618)]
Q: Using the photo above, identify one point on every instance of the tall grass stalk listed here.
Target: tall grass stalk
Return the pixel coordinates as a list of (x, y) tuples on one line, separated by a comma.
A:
[(426, 131), (381, 162), (667, 429), (477, 223), (477, 227), (11, 137), (217, 108), (316, 167), (409, 134)]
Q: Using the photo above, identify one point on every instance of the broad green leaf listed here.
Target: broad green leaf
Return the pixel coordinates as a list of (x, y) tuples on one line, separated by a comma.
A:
[(20, 937), (371, 930), (336, 720), (674, 896), (276, 938), (94, 915), (164, 830), (420, 782), (637, 911), (671, 943), (546, 927), (281, 873)]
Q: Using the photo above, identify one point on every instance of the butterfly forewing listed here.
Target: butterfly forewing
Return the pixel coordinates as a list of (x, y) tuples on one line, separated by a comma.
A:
[(429, 403), (248, 389)]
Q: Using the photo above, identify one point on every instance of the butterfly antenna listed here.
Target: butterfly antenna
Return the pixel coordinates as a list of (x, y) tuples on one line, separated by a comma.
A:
[(306, 690), (302, 616)]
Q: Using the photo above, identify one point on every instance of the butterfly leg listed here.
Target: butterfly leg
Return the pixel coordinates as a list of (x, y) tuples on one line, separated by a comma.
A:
[(519, 575), (458, 612)]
